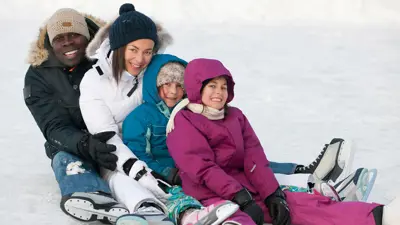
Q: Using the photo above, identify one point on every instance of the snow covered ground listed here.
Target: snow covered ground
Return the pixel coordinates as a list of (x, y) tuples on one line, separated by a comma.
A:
[(306, 71)]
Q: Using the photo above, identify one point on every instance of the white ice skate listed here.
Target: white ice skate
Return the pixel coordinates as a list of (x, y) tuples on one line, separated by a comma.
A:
[(357, 186), (332, 163), (217, 213), (93, 206)]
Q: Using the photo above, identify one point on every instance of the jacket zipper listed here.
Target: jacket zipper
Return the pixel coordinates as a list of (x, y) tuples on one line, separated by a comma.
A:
[(135, 85)]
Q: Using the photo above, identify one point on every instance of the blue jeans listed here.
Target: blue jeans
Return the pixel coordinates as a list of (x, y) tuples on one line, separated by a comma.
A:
[(282, 168), (86, 179)]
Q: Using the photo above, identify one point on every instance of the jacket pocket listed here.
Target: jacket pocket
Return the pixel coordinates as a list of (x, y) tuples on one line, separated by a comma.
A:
[(158, 130)]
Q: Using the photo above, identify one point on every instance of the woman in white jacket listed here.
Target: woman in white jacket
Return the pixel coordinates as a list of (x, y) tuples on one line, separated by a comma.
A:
[(109, 92)]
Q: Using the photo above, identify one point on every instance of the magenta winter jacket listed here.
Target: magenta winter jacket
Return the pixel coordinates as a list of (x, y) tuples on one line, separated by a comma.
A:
[(219, 157)]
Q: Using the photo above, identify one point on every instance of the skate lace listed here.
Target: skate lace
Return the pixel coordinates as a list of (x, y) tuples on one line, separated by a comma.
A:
[(316, 161)]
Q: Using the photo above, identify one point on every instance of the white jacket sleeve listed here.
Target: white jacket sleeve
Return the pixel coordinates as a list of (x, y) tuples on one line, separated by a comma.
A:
[(98, 116)]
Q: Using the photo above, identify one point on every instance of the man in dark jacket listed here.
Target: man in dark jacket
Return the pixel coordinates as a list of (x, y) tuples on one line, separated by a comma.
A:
[(51, 92)]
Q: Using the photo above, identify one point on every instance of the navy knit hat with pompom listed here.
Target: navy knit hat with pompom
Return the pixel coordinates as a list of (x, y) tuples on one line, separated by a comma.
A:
[(131, 25)]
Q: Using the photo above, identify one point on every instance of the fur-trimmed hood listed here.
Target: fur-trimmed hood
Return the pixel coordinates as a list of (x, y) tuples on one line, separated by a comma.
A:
[(39, 52), (164, 39)]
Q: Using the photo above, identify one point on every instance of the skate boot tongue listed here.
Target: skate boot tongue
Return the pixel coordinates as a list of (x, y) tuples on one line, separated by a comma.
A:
[(334, 158)]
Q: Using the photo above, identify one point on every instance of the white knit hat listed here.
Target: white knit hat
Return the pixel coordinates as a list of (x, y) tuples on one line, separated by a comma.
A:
[(67, 20), (171, 72)]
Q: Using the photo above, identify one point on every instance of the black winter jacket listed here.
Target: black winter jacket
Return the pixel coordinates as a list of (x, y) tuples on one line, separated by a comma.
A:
[(51, 93)]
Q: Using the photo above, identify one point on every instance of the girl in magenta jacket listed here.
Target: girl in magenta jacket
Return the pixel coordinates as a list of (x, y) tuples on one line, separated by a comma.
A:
[(220, 157)]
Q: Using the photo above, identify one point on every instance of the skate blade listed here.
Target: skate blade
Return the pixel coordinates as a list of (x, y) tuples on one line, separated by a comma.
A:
[(131, 220), (136, 219), (369, 181)]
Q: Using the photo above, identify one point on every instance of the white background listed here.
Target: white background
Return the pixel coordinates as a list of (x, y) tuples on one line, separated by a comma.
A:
[(306, 71)]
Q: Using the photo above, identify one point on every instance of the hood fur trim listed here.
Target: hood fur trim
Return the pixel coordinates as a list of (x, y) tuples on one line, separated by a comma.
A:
[(164, 39), (95, 44), (38, 52)]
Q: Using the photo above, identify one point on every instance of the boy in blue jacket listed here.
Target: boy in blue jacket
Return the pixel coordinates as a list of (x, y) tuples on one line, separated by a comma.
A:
[(143, 130)]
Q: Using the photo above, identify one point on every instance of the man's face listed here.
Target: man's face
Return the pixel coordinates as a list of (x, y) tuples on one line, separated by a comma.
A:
[(69, 48)]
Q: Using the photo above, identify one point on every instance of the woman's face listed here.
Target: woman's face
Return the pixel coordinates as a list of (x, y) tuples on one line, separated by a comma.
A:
[(215, 93), (138, 55)]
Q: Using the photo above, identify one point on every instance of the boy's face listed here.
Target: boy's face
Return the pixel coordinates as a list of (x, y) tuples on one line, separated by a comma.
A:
[(171, 93)]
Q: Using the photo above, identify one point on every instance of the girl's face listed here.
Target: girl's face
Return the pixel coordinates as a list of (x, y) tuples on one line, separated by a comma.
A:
[(138, 55), (171, 93), (215, 93)]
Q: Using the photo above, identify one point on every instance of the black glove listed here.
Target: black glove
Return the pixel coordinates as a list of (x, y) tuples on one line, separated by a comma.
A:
[(94, 147), (247, 205), (174, 178), (278, 208)]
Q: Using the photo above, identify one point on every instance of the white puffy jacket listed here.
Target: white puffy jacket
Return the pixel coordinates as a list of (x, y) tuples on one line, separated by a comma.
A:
[(104, 103)]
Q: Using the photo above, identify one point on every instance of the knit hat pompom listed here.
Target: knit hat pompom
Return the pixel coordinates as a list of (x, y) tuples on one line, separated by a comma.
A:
[(130, 26), (171, 72), (127, 7)]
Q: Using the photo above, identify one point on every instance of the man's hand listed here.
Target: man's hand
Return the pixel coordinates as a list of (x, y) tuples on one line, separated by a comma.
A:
[(95, 147)]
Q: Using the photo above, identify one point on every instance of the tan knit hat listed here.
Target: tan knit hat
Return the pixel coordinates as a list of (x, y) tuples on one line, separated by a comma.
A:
[(67, 20), (171, 72)]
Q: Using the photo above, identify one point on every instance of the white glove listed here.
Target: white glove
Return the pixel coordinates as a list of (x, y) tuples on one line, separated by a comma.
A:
[(151, 184), (138, 166), (142, 173)]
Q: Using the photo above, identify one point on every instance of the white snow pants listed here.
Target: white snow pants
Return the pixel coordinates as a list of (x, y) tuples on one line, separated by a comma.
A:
[(127, 190)]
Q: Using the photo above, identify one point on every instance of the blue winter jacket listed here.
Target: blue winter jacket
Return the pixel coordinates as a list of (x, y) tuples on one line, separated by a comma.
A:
[(143, 130)]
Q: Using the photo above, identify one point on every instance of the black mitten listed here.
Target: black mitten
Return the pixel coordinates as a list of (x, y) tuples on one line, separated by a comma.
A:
[(247, 205), (278, 208), (95, 147), (174, 178)]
